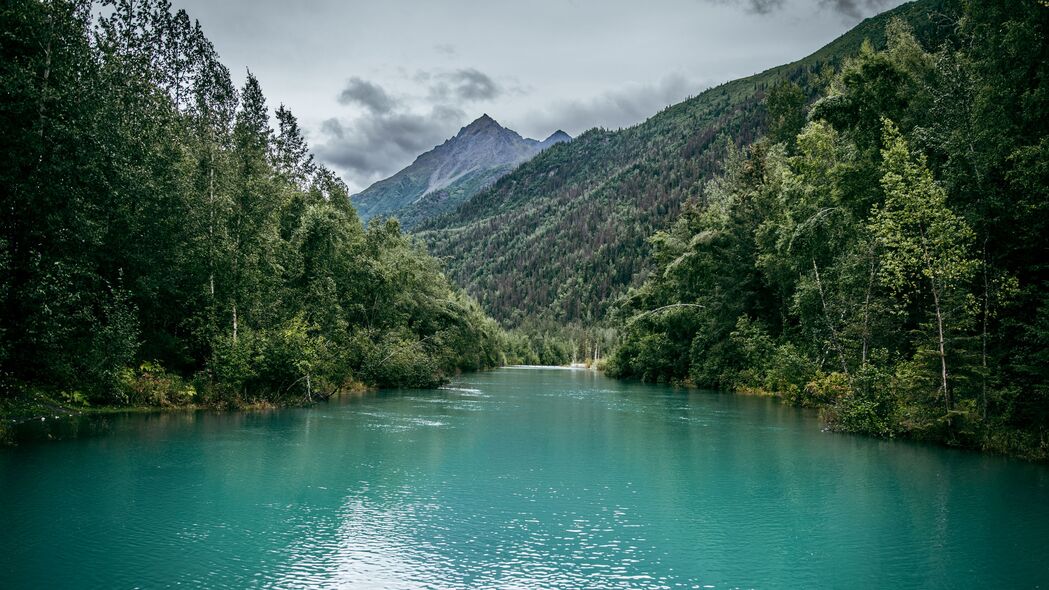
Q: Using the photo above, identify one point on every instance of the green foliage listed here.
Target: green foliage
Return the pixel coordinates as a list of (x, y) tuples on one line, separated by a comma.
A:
[(151, 385), (789, 372), (853, 413), (565, 234), (152, 214), (398, 360), (881, 264), (113, 345), (785, 103), (922, 239)]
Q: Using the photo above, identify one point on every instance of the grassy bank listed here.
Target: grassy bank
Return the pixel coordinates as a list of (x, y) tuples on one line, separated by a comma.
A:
[(840, 413)]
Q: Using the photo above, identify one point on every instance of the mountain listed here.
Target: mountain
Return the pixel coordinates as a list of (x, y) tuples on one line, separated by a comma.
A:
[(566, 232), (444, 177), (555, 137)]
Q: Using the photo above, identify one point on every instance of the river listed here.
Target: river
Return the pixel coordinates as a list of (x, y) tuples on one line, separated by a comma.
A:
[(515, 478)]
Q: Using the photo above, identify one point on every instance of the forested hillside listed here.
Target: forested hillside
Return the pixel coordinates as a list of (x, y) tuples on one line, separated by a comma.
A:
[(162, 244), (885, 257), (564, 234)]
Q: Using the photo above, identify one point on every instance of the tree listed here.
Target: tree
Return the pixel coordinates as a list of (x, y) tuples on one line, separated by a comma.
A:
[(291, 155), (786, 107), (926, 245), (253, 223)]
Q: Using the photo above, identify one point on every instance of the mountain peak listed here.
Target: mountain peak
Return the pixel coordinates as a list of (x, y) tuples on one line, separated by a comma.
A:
[(481, 153), (558, 136), (481, 123)]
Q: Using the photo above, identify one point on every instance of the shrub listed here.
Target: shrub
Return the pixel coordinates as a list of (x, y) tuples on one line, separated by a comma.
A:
[(151, 385), (787, 374), (401, 361), (232, 365), (848, 409)]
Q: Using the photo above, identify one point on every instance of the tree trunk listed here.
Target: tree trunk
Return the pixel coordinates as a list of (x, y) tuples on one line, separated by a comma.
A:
[(867, 312), (941, 340), (983, 336), (830, 324), (211, 219), (42, 107), (943, 350)]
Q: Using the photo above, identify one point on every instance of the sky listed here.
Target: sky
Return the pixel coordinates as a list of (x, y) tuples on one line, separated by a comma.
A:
[(376, 83)]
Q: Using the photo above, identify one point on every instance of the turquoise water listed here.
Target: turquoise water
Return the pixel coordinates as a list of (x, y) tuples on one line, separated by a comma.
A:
[(518, 478)]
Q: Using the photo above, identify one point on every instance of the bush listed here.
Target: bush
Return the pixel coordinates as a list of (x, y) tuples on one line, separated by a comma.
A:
[(292, 361), (401, 361), (752, 351), (114, 344), (826, 389), (788, 373), (232, 365), (874, 411), (151, 385)]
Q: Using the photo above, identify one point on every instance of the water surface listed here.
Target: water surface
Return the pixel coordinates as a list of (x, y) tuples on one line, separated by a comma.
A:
[(518, 478)]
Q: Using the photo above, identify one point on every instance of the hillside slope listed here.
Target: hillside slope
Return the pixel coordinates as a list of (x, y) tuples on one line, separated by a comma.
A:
[(567, 231)]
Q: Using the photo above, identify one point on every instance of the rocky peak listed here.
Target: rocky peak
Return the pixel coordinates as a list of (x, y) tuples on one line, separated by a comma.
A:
[(558, 136), (482, 124)]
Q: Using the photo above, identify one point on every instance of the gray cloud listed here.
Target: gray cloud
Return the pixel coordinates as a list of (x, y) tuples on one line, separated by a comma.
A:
[(763, 6), (618, 108), (850, 8), (390, 134), (445, 49), (466, 84), (373, 147), (367, 94), (755, 6), (856, 8), (579, 64)]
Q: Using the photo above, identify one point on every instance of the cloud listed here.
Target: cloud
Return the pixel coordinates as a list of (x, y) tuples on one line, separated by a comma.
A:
[(755, 6), (466, 84), (367, 94), (763, 6), (850, 8), (622, 107), (445, 49), (370, 148), (395, 128), (855, 8)]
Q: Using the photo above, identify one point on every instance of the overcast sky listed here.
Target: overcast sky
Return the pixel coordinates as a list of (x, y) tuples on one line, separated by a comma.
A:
[(375, 83)]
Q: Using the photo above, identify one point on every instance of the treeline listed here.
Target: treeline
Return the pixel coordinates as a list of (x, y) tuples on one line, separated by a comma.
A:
[(544, 342), (162, 243), (885, 257)]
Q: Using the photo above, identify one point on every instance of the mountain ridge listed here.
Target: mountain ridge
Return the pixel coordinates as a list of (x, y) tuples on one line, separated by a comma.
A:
[(445, 176), (591, 206)]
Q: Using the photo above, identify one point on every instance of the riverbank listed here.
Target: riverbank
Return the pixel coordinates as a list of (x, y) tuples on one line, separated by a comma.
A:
[(995, 441), (39, 406)]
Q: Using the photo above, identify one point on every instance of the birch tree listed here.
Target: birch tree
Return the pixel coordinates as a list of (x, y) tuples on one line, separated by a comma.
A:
[(926, 246)]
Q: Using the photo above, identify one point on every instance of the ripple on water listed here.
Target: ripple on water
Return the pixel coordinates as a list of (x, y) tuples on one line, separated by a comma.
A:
[(515, 479)]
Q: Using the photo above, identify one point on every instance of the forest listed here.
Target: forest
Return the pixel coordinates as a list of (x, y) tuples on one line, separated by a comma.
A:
[(591, 204), (880, 254), (164, 243), (861, 231)]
